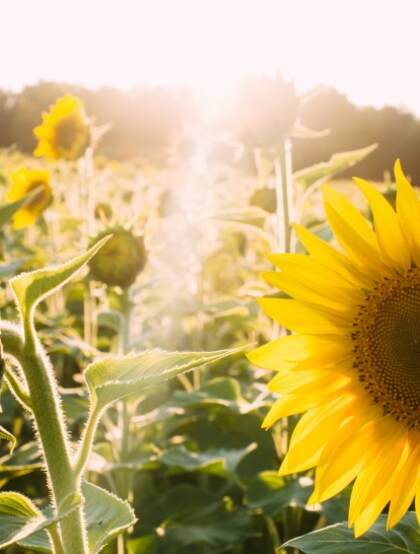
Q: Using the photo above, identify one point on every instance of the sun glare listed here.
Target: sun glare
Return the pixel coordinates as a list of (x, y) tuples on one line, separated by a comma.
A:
[(210, 45)]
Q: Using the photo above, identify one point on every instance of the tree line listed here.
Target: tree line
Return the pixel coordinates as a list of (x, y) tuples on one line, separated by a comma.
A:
[(146, 122)]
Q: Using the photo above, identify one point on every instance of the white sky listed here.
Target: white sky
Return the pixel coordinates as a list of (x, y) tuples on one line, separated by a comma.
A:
[(358, 46)]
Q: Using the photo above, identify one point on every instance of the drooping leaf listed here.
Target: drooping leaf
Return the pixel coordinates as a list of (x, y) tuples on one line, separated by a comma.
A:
[(32, 287), (106, 516), (339, 539), (338, 163), (116, 377)]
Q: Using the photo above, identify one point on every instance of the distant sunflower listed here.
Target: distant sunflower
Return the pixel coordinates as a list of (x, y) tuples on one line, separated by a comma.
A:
[(354, 363), (22, 182), (64, 132)]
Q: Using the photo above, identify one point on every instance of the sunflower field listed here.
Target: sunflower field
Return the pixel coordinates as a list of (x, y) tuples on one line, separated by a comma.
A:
[(196, 360)]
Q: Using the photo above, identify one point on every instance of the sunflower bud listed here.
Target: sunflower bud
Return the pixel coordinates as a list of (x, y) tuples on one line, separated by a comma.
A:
[(120, 260)]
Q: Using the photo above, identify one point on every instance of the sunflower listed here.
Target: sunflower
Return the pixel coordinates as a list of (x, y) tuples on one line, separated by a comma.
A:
[(22, 182), (352, 365), (64, 132), (120, 260)]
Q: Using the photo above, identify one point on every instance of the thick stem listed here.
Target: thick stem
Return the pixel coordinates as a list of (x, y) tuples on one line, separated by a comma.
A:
[(52, 432)]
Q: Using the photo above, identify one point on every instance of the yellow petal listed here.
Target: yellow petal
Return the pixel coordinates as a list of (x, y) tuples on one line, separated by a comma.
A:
[(353, 231), (301, 352), (315, 290), (405, 486), (376, 478), (304, 382), (297, 316), (302, 265), (387, 227), (342, 458), (329, 256), (408, 211), (312, 432)]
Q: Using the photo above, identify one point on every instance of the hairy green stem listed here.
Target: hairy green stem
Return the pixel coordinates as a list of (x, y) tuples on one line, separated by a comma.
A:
[(49, 421), (56, 539)]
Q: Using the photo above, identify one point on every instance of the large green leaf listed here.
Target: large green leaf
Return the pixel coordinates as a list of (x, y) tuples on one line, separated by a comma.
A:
[(188, 515), (32, 287), (20, 518), (339, 539), (106, 516), (218, 461), (116, 377), (338, 163)]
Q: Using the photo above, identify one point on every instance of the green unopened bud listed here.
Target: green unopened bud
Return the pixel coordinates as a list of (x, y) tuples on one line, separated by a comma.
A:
[(120, 260)]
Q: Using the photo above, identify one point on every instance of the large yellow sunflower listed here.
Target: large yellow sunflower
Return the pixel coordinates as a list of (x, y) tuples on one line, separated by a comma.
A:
[(353, 362), (64, 132), (22, 182)]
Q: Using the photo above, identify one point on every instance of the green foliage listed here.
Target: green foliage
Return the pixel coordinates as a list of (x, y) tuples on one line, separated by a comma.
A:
[(106, 515), (20, 518), (339, 539), (338, 163), (31, 288), (114, 378)]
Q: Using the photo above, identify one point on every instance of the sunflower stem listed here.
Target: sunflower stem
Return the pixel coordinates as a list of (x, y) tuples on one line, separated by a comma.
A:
[(284, 194), (53, 436), (124, 408)]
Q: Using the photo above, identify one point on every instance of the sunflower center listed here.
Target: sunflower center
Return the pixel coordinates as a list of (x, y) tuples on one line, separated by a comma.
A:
[(66, 132), (387, 346)]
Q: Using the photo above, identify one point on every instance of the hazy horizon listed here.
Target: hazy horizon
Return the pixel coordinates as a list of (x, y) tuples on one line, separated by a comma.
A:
[(355, 47)]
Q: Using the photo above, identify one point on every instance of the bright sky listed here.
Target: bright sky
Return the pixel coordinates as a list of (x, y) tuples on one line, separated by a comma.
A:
[(368, 49)]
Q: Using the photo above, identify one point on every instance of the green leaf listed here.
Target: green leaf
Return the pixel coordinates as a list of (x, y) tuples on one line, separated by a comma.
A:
[(321, 172), (8, 210), (339, 539), (220, 461), (116, 377), (106, 516), (271, 493), (221, 391), (30, 288), (20, 518), (4, 434), (189, 515)]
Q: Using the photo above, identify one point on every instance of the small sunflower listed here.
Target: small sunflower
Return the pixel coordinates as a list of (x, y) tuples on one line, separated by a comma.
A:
[(65, 131), (22, 182), (352, 365)]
